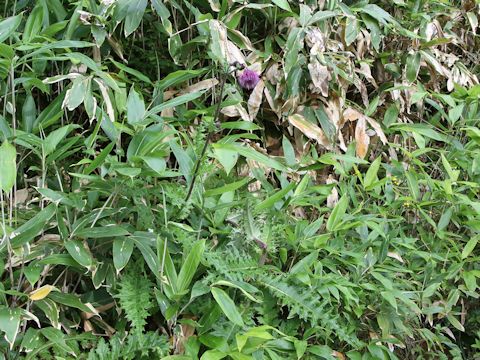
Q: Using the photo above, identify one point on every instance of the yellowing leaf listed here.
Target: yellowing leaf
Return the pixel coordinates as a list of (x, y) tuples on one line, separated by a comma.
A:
[(41, 293)]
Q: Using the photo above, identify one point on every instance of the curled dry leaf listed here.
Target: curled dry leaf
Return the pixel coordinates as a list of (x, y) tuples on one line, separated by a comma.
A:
[(271, 102), (234, 53), (395, 256), (273, 74), (351, 114), (201, 85), (309, 129), (320, 77), (235, 111), (362, 140), (332, 199), (255, 100)]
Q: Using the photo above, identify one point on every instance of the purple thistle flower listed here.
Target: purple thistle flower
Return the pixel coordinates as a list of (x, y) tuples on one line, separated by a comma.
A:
[(248, 79)]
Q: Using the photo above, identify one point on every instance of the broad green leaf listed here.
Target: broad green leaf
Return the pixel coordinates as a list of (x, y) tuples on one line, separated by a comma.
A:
[(189, 267), (337, 213), (227, 188), (387, 295), (72, 301), (371, 175), (135, 107), (80, 253), (134, 16), (9, 324), (122, 250), (76, 94), (272, 200), (8, 166), (178, 77), (179, 100), (8, 26), (242, 286), (55, 137), (252, 154), (51, 311), (351, 31), (227, 305), (131, 71), (456, 324), (102, 232), (57, 337), (98, 161), (282, 4), (227, 157), (413, 66), (321, 15), (27, 232), (29, 113), (467, 250)]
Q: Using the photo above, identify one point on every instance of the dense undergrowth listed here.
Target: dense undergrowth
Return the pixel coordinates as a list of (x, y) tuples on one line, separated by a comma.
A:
[(331, 212)]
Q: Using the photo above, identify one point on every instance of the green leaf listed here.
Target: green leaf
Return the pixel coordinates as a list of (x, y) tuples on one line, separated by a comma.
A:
[(80, 253), (456, 324), (227, 188), (467, 250), (351, 31), (387, 295), (189, 267), (228, 306), (50, 309), (8, 166), (72, 301), (282, 4), (135, 107), (271, 200), (321, 15), (55, 137), (9, 324), (179, 100), (371, 175), (33, 227), (242, 286), (227, 157), (252, 154), (29, 113), (337, 213), (179, 77), (131, 71), (102, 232), (122, 251), (134, 16), (8, 26), (98, 161), (413, 66)]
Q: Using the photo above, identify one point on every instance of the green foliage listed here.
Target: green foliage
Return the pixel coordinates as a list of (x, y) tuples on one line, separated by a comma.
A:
[(331, 212)]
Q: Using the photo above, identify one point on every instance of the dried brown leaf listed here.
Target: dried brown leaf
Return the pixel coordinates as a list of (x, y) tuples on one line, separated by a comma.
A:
[(201, 85), (309, 129), (320, 77), (255, 100), (361, 138)]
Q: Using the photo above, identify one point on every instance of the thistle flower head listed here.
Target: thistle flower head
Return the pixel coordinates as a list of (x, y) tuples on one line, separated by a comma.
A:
[(248, 79)]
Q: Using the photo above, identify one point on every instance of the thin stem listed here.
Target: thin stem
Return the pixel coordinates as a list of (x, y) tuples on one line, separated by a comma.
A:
[(207, 140)]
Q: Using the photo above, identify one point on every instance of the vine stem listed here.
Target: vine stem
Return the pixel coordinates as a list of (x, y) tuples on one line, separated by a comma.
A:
[(207, 140)]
